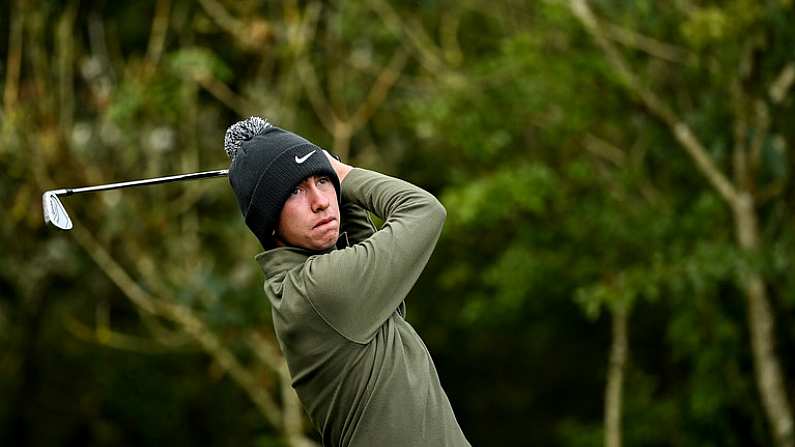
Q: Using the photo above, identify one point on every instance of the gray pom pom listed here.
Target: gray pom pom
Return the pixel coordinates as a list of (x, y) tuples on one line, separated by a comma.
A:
[(241, 132)]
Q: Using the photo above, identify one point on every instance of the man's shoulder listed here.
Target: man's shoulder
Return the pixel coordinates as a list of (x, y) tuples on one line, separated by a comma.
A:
[(277, 261)]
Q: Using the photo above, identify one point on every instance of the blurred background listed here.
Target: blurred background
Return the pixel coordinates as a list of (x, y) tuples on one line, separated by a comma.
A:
[(617, 263)]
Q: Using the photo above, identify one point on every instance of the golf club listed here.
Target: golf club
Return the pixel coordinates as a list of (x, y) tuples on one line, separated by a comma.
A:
[(55, 214)]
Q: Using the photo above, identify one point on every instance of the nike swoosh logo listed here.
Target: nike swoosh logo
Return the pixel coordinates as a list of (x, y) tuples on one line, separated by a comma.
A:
[(304, 158)]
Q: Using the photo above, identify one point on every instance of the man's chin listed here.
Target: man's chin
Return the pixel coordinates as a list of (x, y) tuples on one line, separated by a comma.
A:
[(326, 242)]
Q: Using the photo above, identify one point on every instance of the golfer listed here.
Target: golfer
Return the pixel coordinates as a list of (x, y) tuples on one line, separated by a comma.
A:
[(337, 287)]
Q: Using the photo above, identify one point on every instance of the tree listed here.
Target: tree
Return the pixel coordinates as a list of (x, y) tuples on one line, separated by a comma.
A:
[(578, 231)]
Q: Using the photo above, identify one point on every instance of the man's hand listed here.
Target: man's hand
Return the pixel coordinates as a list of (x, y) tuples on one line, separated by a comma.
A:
[(339, 167)]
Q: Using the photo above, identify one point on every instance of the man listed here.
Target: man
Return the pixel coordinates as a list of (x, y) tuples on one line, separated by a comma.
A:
[(362, 373)]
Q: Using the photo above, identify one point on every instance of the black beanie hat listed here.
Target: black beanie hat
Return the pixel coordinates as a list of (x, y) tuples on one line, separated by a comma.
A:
[(267, 164)]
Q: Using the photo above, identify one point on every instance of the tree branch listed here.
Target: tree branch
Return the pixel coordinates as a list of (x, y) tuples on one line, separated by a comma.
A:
[(682, 132), (448, 31), (306, 73), (378, 92), (36, 38), (224, 94), (223, 19), (105, 336), (185, 319), (158, 33), (415, 35), (605, 150), (98, 44), (740, 129), (299, 33), (653, 47), (293, 411), (761, 132), (780, 87), (770, 379), (64, 48), (14, 58), (615, 378), (333, 116)]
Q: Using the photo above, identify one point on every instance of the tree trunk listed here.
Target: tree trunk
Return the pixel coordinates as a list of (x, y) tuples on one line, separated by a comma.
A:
[(769, 377), (615, 379), (767, 370)]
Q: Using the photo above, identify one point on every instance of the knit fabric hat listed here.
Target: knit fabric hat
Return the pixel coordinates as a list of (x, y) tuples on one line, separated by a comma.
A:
[(267, 163)]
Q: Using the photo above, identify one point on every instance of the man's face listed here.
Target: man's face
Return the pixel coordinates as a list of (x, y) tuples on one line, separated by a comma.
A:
[(310, 217)]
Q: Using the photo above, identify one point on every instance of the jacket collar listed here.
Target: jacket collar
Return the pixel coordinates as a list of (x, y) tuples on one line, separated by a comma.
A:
[(281, 259)]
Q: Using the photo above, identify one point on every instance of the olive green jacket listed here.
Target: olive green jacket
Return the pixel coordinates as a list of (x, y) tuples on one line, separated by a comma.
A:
[(360, 369)]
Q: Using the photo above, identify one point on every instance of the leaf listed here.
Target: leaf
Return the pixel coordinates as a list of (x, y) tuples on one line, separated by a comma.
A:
[(198, 63)]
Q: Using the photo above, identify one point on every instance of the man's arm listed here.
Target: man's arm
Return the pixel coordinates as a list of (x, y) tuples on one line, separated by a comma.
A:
[(355, 220), (356, 289), (356, 223)]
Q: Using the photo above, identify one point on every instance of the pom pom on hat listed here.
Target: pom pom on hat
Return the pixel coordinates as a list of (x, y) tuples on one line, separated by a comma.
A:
[(241, 132)]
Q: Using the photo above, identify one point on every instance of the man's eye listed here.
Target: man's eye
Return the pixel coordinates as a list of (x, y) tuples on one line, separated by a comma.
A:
[(323, 179), (296, 191)]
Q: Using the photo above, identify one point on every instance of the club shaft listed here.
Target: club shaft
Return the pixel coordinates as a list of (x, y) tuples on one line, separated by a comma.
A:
[(144, 182)]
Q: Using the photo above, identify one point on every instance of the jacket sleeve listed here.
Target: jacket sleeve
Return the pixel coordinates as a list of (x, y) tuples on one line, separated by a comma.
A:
[(356, 222), (358, 288)]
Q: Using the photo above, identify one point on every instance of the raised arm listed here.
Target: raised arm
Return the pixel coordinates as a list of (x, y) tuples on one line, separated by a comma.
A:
[(355, 220), (356, 223), (356, 289)]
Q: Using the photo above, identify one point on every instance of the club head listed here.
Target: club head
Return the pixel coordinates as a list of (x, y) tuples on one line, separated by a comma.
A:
[(54, 212)]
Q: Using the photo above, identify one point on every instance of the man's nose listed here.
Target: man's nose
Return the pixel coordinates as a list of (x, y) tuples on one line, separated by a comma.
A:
[(318, 201)]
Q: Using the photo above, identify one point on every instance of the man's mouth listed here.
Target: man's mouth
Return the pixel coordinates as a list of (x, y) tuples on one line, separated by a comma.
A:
[(324, 221)]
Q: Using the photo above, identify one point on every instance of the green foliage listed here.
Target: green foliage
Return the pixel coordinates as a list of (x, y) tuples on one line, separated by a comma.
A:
[(198, 63), (505, 196), (567, 198)]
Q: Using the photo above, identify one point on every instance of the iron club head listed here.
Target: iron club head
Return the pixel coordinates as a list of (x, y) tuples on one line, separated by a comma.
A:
[(54, 212)]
